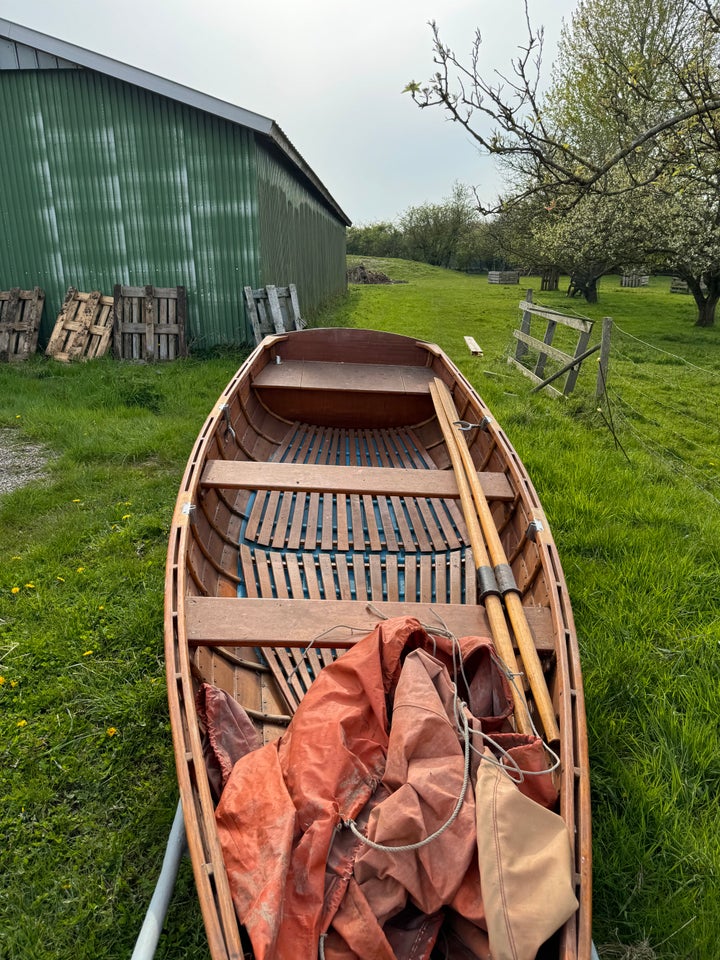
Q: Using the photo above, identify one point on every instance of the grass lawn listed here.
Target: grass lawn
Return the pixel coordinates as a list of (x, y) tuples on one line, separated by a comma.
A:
[(87, 769)]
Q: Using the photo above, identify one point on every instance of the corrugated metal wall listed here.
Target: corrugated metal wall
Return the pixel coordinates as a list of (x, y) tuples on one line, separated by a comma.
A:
[(102, 183), (301, 242)]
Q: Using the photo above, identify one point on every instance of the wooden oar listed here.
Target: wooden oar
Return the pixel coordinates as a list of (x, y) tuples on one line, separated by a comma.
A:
[(511, 595), (489, 594)]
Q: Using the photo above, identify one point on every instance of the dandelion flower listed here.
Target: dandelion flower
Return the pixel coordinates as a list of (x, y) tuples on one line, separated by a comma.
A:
[(29, 586), (81, 569), (88, 653), (126, 516), (13, 684), (2, 681), (15, 590), (61, 579), (22, 723), (111, 731)]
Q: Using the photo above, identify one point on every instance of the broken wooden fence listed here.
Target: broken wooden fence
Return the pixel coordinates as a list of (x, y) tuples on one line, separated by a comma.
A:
[(273, 310), (149, 323), (20, 313), (529, 347)]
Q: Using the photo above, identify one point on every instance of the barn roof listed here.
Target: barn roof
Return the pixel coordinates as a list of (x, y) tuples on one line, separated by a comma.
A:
[(22, 46)]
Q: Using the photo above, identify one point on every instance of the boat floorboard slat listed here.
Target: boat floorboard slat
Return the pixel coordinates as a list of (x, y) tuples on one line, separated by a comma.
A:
[(343, 539)]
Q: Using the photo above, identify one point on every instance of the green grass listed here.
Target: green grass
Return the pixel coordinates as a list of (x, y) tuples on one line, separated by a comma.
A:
[(87, 768)]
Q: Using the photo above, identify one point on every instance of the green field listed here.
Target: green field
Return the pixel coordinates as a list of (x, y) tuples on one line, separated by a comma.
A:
[(87, 770)]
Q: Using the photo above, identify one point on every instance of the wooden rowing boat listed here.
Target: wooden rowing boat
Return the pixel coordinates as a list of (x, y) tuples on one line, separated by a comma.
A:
[(339, 487)]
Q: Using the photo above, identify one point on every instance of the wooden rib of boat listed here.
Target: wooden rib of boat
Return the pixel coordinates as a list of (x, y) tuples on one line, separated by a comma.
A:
[(323, 492)]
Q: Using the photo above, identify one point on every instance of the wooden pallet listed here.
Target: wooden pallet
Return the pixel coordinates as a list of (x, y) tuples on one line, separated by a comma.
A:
[(504, 276), (20, 313), (273, 310), (83, 327), (149, 323)]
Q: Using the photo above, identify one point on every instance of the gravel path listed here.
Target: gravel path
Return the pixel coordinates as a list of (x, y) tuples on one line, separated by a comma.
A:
[(20, 461)]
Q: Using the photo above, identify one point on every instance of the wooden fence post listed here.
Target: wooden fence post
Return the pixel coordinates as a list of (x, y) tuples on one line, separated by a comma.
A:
[(604, 356), (520, 347)]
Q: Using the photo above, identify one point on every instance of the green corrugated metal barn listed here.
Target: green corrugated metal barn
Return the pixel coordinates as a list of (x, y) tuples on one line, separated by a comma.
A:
[(113, 175)]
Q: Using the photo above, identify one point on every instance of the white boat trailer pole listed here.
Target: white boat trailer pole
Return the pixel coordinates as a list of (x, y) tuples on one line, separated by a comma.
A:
[(147, 941)]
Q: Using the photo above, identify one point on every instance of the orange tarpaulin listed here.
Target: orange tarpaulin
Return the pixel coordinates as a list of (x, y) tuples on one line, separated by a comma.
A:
[(378, 740)]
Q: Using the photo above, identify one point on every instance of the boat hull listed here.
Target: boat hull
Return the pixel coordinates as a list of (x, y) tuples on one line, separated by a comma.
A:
[(319, 497)]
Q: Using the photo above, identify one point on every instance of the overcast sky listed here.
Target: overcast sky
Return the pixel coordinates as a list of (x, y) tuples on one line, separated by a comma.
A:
[(329, 72)]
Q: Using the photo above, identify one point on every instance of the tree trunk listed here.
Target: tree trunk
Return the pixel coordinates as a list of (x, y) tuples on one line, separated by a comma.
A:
[(584, 285), (706, 295)]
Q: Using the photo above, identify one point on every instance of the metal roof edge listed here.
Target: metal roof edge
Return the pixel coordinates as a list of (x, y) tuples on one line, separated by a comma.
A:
[(285, 145), (170, 89)]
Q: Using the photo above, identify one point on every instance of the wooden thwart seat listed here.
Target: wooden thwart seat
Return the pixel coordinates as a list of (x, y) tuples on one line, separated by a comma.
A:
[(326, 478), (352, 377), (220, 621)]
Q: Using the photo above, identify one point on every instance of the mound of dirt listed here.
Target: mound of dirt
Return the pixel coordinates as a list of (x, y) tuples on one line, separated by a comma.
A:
[(360, 274)]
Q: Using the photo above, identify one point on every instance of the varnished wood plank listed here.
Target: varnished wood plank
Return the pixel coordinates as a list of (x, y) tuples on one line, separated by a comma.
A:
[(267, 527), (327, 576), (311, 532), (343, 577), (311, 578), (347, 377), (426, 578), (360, 578), (343, 539), (248, 571), (411, 578), (278, 572), (376, 578), (293, 573), (280, 534), (224, 621), (329, 478)]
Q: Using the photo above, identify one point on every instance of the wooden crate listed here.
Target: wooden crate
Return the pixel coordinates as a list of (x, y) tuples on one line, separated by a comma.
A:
[(83, 327), (273, 310), (20, 313), (149, 323)]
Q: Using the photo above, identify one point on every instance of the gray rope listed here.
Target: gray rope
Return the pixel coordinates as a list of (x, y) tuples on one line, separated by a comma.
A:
[(403, 848)]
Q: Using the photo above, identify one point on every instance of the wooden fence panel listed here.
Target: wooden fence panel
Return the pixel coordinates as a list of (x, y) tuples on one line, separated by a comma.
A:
[(20, 313), (83, 327)]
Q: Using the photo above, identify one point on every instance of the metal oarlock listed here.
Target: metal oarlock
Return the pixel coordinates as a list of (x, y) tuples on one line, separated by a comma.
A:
[(466, 425), (533, 529), (225, 408)]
